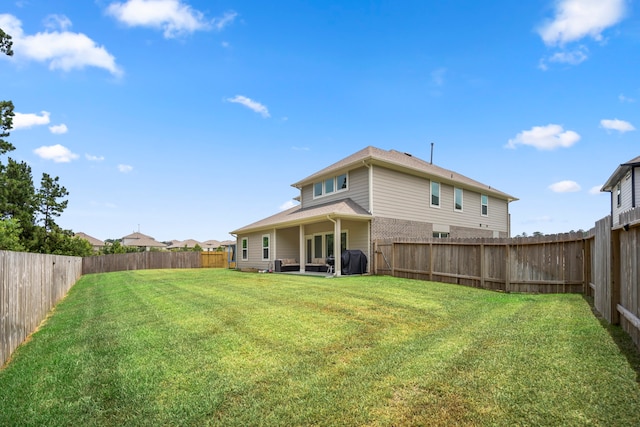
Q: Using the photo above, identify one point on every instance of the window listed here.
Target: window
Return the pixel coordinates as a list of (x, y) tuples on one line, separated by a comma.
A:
[(439, 235), (317, 246), (457, 199), (618, 194), (329, 243), (330, 185), (265, 247), (435, 194), (245, 249), (342, 182), (484, 201)]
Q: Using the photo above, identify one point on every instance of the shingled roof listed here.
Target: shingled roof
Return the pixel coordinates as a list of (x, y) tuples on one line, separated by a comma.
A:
[(619, 173), (345, 208), (405, 162)]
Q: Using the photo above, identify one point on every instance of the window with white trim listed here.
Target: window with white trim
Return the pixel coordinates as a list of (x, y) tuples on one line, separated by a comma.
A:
[(440, 235), (245, 248), (484, 205), (457, 199), (435, 194), (619, 194), (265, 247), (330, 185)]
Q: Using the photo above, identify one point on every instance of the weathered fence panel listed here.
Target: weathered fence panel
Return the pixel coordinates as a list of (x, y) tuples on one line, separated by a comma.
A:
[(546, 264), (628, 276), (140, 261), (601, 268), (30, 286)]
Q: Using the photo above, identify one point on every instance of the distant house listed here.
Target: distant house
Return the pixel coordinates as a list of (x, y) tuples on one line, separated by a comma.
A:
[(140, 240), (184, 244), (97, 244), (210, 245), (624, 187), (369, 195)]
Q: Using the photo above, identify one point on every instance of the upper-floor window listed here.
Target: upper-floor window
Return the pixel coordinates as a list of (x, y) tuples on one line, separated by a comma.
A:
[(618, 194), (265, 247), (457, 199), (245, 248), (435, 194), (330, 185), (484, 202)]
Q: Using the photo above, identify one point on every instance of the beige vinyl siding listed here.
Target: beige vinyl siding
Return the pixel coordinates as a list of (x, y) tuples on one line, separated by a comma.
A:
[(626, 192), (288, 241), (255, 251), (357, 190), (398, 195), (407, 197)]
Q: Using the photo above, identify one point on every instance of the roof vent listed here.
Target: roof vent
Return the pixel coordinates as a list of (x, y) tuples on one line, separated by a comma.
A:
[(408, 154)]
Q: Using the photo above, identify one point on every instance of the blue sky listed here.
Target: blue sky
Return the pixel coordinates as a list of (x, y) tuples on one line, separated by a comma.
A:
[(189, 119)]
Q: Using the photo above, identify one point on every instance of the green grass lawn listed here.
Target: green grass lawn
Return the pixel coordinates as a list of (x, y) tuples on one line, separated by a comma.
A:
[(219, 347)]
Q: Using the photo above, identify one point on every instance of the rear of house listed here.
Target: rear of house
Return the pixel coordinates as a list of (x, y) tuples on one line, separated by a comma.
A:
[(372, 194), (624, 188)]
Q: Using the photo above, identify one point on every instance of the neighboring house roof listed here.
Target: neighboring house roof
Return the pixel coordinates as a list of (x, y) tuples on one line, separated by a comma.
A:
[(227, 243), (619, 173), (345, 208), (92, 240), (405, 162), (189, 243), (141, 240)]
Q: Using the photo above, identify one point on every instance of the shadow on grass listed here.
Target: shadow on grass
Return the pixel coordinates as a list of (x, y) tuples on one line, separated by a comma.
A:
[(624, 342)]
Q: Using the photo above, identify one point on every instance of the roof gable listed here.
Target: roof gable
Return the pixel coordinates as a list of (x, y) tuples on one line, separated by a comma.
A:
[(619, 173), (404, 162)]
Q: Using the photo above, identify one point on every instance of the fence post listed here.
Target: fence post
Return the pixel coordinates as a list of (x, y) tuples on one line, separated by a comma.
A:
[(482, 266), (507, 270), (615, 276)]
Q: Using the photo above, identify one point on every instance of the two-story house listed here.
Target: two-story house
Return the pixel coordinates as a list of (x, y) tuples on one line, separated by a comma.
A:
[(369, 195), (624, 188)]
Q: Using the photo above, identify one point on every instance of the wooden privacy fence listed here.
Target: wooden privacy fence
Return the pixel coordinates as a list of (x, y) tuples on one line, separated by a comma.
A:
[(216, 260), (140, 261), (621, 298), (541, 264), (30, 286)]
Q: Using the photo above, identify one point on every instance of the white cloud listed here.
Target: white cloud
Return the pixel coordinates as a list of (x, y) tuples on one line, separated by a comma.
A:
[(55, 22), (576, 19), (573, 57), (62, 50), (595, 190), (57, 153), (93, 158), (288, 205), (547, 137), (226, 20), (59, 129), (615, 124), (624, 98), (173, 17), (250, 104), (565, 187), (125, 168), (27, 120)]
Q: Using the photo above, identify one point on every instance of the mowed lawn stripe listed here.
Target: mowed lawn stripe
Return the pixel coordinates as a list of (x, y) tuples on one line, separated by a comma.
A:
[(220, 347)]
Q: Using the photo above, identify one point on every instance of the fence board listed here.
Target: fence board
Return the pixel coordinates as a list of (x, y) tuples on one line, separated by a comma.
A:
[(30, 286)]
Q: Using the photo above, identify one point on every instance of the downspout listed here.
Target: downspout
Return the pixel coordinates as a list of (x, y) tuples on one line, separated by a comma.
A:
[(337, 258), (229, 255)]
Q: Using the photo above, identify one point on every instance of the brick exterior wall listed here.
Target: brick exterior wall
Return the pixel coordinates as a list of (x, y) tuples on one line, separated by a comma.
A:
[(391, 228)]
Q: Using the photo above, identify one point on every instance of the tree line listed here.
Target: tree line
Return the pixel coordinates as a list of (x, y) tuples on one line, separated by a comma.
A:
[(28, 214)]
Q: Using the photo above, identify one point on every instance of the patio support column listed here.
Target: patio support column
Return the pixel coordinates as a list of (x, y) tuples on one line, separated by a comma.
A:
[(301, 256), (337, 231)]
